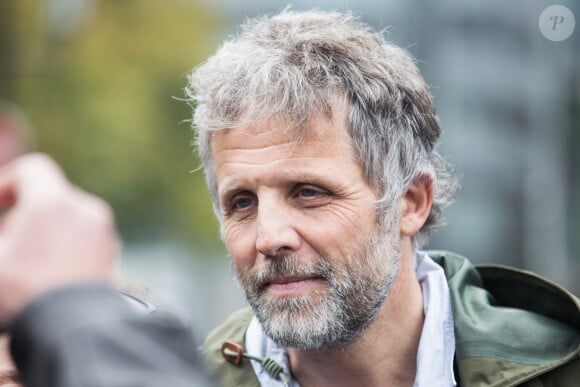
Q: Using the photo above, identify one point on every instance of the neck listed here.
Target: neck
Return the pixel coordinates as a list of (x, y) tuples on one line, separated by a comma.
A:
[(386, 354)]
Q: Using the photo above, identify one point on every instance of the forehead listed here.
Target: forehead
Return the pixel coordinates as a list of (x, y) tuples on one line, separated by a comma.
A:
[(323, 132)]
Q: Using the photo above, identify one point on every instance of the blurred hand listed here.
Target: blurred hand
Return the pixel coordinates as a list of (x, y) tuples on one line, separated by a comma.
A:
[(51, 233)]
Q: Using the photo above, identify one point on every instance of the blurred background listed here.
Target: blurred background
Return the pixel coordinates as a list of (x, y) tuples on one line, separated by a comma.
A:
[(98, 85)]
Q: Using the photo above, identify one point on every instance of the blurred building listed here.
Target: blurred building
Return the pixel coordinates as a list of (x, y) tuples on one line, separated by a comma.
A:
[(508, 99)]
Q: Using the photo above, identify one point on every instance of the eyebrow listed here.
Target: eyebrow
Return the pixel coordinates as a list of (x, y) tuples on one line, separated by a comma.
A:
[(230, 186)]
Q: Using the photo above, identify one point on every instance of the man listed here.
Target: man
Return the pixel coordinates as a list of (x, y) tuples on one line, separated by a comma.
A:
[(318, 140)]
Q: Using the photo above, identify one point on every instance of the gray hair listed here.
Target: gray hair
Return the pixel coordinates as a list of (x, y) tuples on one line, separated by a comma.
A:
[(296, 64)]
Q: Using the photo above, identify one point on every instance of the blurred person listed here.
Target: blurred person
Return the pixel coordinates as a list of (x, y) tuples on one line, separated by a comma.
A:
[(69, 325), (16, 138), (318, 140), (137, 296)]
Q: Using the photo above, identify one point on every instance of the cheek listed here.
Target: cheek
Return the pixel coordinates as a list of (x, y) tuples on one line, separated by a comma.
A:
[(339, 226), (240, 243)]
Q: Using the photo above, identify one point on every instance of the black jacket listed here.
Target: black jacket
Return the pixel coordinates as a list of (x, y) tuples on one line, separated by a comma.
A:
[(89, 335)]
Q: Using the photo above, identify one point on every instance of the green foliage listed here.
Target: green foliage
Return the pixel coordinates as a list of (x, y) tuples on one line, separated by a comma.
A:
[(103, 103)]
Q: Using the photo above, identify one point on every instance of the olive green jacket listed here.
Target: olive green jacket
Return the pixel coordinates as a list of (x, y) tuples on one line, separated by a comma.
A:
[(512, 328)]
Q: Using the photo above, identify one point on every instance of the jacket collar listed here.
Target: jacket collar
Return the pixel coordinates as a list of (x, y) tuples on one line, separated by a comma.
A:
[(510, 325)]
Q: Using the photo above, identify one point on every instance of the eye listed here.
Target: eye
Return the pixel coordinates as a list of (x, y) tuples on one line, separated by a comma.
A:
[(241, 203), (310, 196), (308, 192)]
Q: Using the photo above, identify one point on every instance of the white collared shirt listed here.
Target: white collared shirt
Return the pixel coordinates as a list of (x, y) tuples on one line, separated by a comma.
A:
[(436, 345)]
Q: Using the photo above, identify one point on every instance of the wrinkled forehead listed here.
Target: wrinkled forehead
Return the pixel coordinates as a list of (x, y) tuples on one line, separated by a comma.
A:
[(279, 129)]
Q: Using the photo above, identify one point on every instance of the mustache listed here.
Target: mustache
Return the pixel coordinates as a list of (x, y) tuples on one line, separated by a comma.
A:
[(285, 266)]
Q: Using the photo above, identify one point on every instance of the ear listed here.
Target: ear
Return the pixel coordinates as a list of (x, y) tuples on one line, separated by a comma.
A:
[(416, 205)]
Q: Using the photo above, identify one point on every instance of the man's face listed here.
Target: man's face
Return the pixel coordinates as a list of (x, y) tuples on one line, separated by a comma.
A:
[(300, 224)]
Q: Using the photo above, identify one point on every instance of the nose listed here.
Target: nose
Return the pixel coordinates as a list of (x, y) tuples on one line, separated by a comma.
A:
[(276, 230)]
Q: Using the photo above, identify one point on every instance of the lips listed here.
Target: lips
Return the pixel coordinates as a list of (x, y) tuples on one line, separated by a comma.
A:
[(285, 280), (289, 285)]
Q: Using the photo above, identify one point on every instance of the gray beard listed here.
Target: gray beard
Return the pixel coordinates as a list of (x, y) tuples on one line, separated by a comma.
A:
[(332, 317)]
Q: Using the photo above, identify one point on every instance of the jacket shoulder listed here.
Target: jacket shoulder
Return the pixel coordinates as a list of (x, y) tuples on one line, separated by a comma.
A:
[(232, 329), (511, 326)]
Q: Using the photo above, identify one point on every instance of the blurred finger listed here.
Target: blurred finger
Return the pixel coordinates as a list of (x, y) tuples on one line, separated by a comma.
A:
[(31, 175)]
